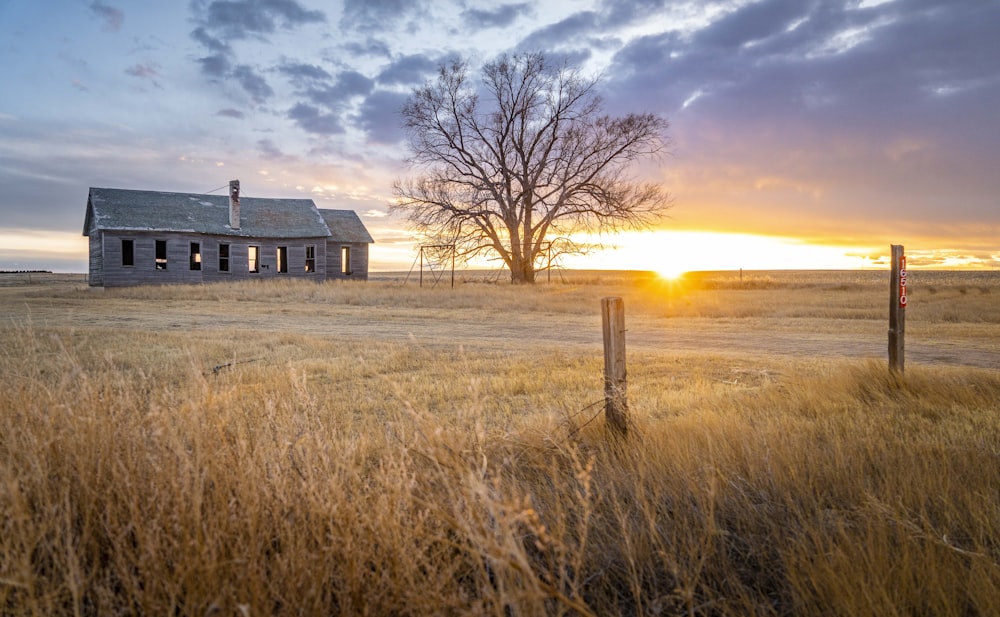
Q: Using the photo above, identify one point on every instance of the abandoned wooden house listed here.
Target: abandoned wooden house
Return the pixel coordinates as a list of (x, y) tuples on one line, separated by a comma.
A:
[(152, 237)]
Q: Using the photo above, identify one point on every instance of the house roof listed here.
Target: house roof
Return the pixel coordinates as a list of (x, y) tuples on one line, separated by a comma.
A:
[(347, 224), (128, 210)]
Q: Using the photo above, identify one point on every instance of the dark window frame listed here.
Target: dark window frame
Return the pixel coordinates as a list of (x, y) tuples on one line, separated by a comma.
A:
[(128, 253), (223, 257), (310, 258), (160, 256), (195, 261)]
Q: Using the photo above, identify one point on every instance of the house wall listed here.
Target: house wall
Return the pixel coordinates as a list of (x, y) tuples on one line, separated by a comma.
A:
[(358, 265), (96, 272), (144, 272)]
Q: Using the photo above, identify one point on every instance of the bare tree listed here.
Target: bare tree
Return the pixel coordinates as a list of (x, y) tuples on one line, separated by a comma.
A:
[(527, 158)]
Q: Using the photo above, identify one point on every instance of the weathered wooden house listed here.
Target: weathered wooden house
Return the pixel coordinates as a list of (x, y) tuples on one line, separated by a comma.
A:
[(151, 237)]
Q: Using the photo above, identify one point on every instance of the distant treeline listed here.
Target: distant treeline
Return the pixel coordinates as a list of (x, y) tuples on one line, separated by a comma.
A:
[(25, 271)]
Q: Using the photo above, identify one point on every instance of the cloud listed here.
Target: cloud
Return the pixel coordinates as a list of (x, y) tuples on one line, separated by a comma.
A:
[(618, 12), (377, 15), (371, 47), (143, 71), (231, 113), (326, 98), (822, 94), (218, 62), (213, 44), (271, 152), (216, 65), (113, 17), (335, 95), (148, 72), (268, 150), (500, 17), (239, 19), (222, 21), (254, 85), (408, 70), (312, 120), (353, 83), (302, 75), (753, 22), (576, 28), (749, 58), (379, 116)]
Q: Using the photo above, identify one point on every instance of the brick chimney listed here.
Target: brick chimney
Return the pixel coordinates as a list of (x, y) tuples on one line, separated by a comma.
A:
[(234, 204)]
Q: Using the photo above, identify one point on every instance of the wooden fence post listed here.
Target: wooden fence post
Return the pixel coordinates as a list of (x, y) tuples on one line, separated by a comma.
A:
[(615, 400), (897, 309)]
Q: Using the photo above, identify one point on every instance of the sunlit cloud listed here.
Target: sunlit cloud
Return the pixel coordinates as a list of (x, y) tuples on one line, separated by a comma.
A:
[(794, 25), (697, 94)]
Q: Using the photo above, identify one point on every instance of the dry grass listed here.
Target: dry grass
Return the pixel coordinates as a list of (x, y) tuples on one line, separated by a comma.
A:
[(320, 474)]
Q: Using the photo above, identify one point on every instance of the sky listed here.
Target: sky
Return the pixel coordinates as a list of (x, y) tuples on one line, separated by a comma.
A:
[(804, 133)]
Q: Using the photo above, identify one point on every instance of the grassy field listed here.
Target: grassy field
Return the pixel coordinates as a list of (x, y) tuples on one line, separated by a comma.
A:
[(382, 449)]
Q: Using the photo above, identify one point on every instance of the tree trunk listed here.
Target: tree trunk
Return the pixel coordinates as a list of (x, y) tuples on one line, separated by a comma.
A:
[(522, 271)]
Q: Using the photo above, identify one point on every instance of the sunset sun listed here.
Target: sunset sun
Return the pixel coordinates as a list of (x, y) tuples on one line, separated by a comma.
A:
[(671, 270)]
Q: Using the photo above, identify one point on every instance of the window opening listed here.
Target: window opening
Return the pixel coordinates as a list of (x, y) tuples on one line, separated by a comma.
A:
[(310, 259), (282, 259), (223, 258), (161, 254), (128, 252), (253, 254), (196, 256), (345, 260)]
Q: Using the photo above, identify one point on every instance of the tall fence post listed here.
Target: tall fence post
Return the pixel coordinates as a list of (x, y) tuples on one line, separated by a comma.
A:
[(615, 400), (897, 309)]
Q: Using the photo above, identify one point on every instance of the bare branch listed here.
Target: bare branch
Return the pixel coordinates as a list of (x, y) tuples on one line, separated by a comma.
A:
[(537, 158)]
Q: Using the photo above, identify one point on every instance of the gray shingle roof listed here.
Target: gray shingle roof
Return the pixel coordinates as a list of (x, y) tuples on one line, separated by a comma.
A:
[(128, 210), (345, 226)]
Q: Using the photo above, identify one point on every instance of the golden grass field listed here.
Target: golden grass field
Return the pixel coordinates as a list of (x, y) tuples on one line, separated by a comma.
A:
[(288, 448)]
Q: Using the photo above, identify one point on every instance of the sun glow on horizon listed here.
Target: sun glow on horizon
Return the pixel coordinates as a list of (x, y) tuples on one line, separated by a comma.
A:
[(671, 272), (672, 253)]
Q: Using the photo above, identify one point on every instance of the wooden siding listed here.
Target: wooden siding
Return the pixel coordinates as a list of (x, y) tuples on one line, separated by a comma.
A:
[(359, 260), (178, 269), (96, 272)]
